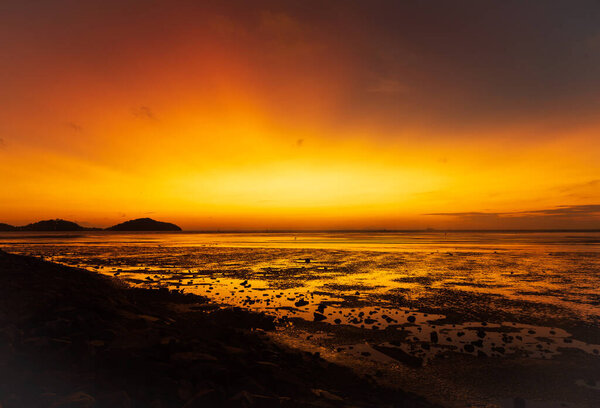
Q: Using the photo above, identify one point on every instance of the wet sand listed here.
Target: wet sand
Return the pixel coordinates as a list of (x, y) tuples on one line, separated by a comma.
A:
[(73, 338), (501, 326)]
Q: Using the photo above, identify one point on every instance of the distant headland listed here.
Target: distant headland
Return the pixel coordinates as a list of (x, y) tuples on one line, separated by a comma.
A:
[(140, 224), (6, 227)]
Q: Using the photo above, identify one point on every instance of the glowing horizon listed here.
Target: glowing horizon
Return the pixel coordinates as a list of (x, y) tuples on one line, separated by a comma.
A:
[(286, 117)]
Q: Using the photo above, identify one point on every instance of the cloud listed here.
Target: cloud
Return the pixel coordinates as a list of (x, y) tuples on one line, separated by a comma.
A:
[(563, 211), (388, 86), (74, 126), (567, 210), (144, 112), (576, 187), (468, 214), (2, 144), (279, 23)]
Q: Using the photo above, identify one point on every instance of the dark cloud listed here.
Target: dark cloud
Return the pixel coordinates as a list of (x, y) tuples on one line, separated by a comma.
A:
[(468, 214), (589, 210), (74, 127), (144, 112), (568, 210), (388, 86), (459, 64), (578, 187)]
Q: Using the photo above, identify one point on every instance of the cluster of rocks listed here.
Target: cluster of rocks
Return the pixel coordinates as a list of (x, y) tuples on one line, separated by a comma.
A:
[(72, 338)]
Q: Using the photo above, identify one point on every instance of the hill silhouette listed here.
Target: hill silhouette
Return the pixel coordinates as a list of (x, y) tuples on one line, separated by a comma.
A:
[(144, 224), (7, 227), (53, 225)]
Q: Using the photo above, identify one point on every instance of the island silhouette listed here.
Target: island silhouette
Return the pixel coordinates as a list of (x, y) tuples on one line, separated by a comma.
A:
[(139, 224), (53, 225), (144, 224), (7, 227)]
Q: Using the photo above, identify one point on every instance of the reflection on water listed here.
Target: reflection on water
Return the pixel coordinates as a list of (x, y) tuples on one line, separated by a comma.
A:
[(384, 281)]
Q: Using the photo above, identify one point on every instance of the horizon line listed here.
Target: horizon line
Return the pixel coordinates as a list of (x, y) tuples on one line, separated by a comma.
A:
[(294, 231)]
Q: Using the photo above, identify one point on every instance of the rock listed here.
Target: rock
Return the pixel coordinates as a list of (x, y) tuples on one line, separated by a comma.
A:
[(401, 356), (478, 343), (338, 321), (75, 400), (203, 399), (190, 356), (243, 319), (327, 395), (411, 319), (434, 337), (185, 390), (319, 317), (118, 399), (519, 402), (301, 303)]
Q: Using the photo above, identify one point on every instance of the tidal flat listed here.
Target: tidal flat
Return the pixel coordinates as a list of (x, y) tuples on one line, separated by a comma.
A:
[(471, 319)]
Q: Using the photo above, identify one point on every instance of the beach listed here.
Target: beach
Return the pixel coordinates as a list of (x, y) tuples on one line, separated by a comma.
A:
[(71, 338), (474, 320)]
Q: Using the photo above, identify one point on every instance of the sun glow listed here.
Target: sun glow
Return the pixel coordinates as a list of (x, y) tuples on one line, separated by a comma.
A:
[(264, 120)]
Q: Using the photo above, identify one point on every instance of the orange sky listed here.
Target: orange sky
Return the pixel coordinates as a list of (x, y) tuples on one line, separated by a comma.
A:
[(299, 115)]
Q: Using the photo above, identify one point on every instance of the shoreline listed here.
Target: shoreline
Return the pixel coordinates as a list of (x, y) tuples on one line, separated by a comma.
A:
[(74, 338)]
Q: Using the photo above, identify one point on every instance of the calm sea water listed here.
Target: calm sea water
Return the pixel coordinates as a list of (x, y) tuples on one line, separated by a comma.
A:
[(394, 241)]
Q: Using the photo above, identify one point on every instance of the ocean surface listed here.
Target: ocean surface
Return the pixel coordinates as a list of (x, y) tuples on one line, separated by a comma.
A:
[(411, 299)]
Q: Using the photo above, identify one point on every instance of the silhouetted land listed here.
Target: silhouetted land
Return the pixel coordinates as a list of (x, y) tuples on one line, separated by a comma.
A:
[(72, 338), (140, 224), (53, 225), (144, 224), (148, 224), (7, 227)]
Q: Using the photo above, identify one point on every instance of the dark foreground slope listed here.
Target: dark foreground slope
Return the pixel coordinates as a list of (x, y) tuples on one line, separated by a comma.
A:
[(71, 338)]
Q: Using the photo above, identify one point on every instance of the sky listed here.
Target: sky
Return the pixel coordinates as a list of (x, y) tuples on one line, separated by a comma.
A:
[(301, 114)]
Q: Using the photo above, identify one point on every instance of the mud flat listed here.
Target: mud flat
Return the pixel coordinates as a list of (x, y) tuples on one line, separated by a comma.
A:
[(73, 338)]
